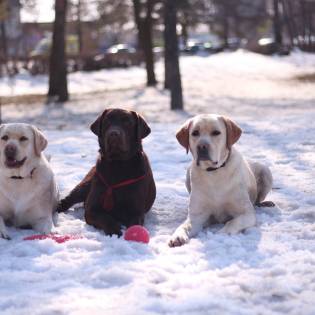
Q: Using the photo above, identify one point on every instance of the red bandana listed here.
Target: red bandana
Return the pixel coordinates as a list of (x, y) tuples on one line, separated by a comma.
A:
[(107, 200)]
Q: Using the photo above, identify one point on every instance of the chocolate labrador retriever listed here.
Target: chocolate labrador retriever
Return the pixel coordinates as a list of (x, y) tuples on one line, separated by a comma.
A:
[(120, 188)]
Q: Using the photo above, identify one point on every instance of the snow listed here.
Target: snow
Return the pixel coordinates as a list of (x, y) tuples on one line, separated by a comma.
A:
[(268, 269)]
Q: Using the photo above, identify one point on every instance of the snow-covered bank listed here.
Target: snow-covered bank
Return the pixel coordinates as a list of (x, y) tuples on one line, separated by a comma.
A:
[(245, 71), (269, 269), (237, 83)]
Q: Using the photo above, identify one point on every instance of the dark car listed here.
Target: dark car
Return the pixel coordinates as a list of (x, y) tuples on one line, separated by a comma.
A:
[(268, 46), (193, 48), (120, 55)]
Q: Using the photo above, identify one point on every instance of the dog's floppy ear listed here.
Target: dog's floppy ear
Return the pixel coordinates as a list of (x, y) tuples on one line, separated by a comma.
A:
[(233, 132), (40, 141), (182, 135), (96, 126), (143, 130)]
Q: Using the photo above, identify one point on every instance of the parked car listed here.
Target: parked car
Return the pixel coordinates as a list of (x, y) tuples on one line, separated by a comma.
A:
[(120, 55), (268, 46), (213, 47), (193, 48)]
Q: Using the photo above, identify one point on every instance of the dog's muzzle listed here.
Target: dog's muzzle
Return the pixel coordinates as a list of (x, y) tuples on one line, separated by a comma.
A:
[(202, 153), (10, 153), (115, 141)]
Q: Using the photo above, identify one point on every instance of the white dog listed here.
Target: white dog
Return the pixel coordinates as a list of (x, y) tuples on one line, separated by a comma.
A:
[(28, 191), (223, 186)]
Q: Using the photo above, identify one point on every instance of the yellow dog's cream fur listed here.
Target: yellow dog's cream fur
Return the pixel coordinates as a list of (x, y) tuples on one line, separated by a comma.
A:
[(30, 199), (227, 194)]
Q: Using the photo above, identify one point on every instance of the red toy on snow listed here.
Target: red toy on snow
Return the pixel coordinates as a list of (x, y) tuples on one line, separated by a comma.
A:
[(137, 233), (57, 238)]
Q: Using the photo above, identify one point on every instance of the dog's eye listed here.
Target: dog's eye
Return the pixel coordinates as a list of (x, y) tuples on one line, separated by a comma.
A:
[(5, 138), (215, 133), (23, 139), (195, 133)]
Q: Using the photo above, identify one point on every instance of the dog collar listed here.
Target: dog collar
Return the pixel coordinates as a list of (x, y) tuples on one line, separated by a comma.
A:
[(20, 177), (211, 169)]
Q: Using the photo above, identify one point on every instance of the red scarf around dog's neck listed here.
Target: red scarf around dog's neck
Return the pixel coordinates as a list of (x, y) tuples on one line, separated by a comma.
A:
[(107, 199)]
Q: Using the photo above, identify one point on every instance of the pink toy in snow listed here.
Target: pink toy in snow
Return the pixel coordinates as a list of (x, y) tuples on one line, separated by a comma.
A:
[(57, 238), (137, 233)]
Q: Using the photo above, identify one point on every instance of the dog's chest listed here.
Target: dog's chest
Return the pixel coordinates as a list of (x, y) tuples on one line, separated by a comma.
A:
[(19, 192), (212, 184)]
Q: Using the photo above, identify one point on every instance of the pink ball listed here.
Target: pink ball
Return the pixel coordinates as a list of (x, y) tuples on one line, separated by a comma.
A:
[(137, 233)]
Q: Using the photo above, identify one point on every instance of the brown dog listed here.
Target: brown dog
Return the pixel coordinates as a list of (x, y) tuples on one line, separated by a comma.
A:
[(120, 188)]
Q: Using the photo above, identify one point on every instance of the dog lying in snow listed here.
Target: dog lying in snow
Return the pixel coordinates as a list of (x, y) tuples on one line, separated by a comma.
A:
[(120, 189), (28, 192), (223, 186)]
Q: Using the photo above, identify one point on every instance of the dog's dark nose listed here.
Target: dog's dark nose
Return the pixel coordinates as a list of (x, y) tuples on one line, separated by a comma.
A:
[(10, 150), (203, 148), (114, 134)]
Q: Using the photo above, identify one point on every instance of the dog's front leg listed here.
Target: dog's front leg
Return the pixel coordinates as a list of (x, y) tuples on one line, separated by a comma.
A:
[(102, 221), (190, 228), (78, 193), (198, 215), (3, 230), (242, 221), (43, 225)]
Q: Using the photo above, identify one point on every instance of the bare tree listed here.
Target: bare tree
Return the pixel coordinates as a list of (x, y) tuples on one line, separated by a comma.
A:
[(79, 26), (171, 54), (277, 23), (144, 22), (3, 41), (58, 87)]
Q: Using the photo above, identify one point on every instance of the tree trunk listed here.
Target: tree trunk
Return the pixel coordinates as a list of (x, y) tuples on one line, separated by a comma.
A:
[(171, 54), (184, 33), (58, 89), (289, 20), (138, 21), (167, 64), (79, 27), (3, 41), (277, 24), (148, 45), (303, 23), (226, 26), (145, 41), (311, 31)]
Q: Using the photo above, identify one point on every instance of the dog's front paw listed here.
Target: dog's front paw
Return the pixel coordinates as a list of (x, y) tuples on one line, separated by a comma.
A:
[(178, 240), (267, 203), (4, 235), (43, 226), (62, 206), (114, 229), (229, 228)]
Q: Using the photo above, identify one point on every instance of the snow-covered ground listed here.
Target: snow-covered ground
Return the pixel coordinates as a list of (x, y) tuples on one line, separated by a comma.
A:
[(269, 269)]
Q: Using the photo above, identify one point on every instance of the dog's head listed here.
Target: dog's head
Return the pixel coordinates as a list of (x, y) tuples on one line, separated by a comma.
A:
[(20, 146), (120, 133), (209, 138)]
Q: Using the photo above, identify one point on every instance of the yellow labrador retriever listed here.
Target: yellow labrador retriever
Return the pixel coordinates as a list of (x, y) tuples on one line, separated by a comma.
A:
[(28, 192), (223, 186)]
